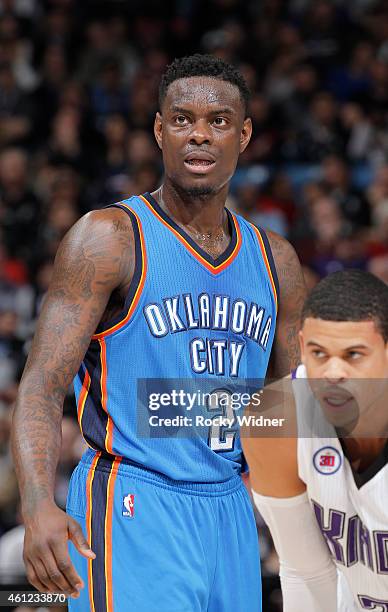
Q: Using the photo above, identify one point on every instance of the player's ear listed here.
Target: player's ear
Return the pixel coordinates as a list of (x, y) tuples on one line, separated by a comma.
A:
[(158, 129), (246, 134), (301, 345)]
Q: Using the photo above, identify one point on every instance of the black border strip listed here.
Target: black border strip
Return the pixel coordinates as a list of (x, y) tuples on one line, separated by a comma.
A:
[(271, 261), (98, 545), (94, 419), (135, 282)]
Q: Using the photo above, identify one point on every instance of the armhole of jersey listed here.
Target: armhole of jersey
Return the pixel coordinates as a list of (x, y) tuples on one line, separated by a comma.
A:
[(137, 282), (269, 261)]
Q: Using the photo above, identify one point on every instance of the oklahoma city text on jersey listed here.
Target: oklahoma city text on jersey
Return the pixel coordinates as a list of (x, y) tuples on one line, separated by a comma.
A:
[(219, 356)]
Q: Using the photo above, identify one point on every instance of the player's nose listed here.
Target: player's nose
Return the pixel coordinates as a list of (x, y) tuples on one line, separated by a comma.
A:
[(201, 132), (335, 370)]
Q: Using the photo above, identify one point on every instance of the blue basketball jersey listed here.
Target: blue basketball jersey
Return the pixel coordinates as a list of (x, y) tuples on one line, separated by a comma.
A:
[(191, 326)]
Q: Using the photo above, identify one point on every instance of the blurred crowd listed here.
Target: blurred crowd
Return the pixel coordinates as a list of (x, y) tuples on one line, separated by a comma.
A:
[(78, 94)]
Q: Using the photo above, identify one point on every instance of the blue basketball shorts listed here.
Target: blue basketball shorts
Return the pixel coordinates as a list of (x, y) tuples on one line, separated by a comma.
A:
[(162, 545)]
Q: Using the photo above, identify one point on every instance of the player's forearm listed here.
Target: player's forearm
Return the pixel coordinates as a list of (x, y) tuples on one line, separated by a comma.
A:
[(307, 571), (36, 438)]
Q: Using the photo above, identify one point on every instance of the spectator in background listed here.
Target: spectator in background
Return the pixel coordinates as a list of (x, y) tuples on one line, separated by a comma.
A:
[(119, 39), (54, 77), (377, 98), (377, 239), (41, 273), (353, 81), (108, 95), (143, 176), (20, 206), (319, 227), (17, 50), (262, 206), (359, 133), (15, 293), (116, 137), (63, 206), (266, 134), (97, 49), (16, 109), (337, 182), (142, 113), (278, 196), (303, 87), (333, 246), (11, 351), (141, 149), (289, 52), (56, 27), (65, 146), (320, 134), (377, 196), (379, 267), (325, 39)]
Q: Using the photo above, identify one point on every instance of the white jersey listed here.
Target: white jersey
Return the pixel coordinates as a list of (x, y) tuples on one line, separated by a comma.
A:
[(351, 510)]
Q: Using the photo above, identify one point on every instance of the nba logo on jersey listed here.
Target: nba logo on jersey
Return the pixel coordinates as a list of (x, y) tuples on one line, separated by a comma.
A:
[(327, 460), (129, 505)]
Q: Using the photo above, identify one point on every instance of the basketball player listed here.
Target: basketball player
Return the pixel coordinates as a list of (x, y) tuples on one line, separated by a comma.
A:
[(168, 285), (324, 493)]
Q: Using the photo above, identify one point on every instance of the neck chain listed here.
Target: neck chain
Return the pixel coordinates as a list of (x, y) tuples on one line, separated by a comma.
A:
[(217, 236)]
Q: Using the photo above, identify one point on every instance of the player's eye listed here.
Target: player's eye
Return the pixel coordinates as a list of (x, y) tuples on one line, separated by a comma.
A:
[(220, 121), (318, 354), (181, 120), (354, 355)]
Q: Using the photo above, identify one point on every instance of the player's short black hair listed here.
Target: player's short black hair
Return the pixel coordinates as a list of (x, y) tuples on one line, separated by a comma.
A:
[(203, 65), (349, 295)]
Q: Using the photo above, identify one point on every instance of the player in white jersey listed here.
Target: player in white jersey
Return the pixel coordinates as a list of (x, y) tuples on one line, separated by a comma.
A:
[(324, 492)]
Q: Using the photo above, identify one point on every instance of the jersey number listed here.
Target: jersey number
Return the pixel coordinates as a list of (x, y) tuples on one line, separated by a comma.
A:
[(378, 605), (221, 434)]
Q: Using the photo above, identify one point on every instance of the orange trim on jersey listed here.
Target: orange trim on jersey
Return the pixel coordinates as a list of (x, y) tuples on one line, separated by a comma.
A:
[(266, 262), (202, 260), (108, 534), (104, 396), (82, 399), (139, 288), (89, 484), (81, 404)]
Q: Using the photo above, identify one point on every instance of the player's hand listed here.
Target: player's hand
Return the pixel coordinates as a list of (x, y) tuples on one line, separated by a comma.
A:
[(46, 557)]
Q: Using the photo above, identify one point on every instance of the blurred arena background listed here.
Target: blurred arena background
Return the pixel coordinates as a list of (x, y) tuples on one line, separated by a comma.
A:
[(78, 94)]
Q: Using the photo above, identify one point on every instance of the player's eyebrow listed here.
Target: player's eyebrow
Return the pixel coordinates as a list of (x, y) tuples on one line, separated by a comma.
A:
[(356, 346), (313, 343), (348, 348), (226, 110), (179, 109)]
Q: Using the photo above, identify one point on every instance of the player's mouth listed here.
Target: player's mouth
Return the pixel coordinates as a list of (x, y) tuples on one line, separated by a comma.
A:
[(199, 163), (337, 402)]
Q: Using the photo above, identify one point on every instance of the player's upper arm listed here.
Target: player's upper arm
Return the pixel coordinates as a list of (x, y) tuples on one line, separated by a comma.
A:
[(95, 257), (273, 462), (292, 293)]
